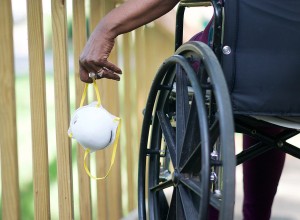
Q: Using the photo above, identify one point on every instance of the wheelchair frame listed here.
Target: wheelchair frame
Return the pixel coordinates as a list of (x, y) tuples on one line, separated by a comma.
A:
[(157, 128), (242, 122)]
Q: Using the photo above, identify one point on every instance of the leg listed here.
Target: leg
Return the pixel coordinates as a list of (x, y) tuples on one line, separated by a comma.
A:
[(213, 214), (261, 178)]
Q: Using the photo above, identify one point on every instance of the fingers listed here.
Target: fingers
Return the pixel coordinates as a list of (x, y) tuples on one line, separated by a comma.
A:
[(112, 67), (84, 75), (106, 73), (106, 70)]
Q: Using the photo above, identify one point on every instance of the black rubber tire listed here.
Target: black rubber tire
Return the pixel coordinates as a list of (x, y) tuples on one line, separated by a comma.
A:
[(187, 141)]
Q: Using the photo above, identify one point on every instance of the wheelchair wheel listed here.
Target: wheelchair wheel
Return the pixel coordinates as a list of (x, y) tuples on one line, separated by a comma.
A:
[(187, 143)]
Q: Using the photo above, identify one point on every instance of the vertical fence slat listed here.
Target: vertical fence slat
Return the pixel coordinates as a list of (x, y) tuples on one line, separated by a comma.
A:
[(96, 12), (8, 130), (151, 55), (141, 71), (108, 191), (61, 83), (127, 38), (38, 109), (111, 102), (79, 40), (114, 192), (141, 94)]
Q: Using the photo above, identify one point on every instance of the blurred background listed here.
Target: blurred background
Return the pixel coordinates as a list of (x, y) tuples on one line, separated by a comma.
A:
[(131, 92)]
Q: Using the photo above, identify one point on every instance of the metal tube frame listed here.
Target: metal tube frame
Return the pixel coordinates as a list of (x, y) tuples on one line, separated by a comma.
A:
[(267, 143), (218, 22)]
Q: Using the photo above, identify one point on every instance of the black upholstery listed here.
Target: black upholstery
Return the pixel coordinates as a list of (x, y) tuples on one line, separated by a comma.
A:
[(263, 68)]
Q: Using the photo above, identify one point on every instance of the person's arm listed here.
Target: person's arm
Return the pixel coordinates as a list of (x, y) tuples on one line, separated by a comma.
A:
[(125, 18)]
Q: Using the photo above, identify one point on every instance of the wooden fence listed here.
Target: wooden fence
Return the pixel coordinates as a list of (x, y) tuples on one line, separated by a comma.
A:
[(136, 52)]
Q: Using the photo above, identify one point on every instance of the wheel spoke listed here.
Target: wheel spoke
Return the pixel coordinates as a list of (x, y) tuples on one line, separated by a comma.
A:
[(193, 162), (191, 136), (182, 109), (176, 206), (192, 159), (161, 186), (197, 187), (172, 209), (169, 134), (163, 205), (190, 212), (214, 131), (179, 206), (193, 185)]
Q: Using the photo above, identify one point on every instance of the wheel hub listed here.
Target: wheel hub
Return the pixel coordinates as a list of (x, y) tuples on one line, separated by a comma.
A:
[(175, 177)]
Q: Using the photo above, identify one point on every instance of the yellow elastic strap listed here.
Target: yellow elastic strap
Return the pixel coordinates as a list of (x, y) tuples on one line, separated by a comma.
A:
[(85, 92), (115, 146)]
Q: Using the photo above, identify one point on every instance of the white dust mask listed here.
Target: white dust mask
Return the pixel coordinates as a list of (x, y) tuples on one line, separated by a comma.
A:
[(94, 128)]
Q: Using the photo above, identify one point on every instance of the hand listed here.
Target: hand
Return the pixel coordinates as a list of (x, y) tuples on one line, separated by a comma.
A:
[(93, 58)]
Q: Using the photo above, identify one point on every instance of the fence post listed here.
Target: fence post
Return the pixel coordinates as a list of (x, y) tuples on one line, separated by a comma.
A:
[(141, 71), (110, 188), (8, 130), (128, 72), (79, 40), (111, 102), (96, 13), (61, 83), (141, 94), (38, 109)]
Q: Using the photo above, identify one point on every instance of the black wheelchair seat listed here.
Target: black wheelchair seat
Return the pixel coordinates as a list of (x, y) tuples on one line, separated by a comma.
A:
[(262, 60)]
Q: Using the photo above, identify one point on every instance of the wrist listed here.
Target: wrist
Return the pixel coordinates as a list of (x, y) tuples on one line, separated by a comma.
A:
[(106, 30)]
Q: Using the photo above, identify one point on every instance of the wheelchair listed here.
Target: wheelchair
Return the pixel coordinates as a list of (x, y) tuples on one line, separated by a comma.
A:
[(244, 80)]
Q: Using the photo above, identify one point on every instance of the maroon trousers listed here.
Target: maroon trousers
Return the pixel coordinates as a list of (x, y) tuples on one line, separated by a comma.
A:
[(261, 178)]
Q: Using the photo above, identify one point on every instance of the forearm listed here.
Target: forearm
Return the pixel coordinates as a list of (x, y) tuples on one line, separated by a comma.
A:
[(127, 17), (133, 14)]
